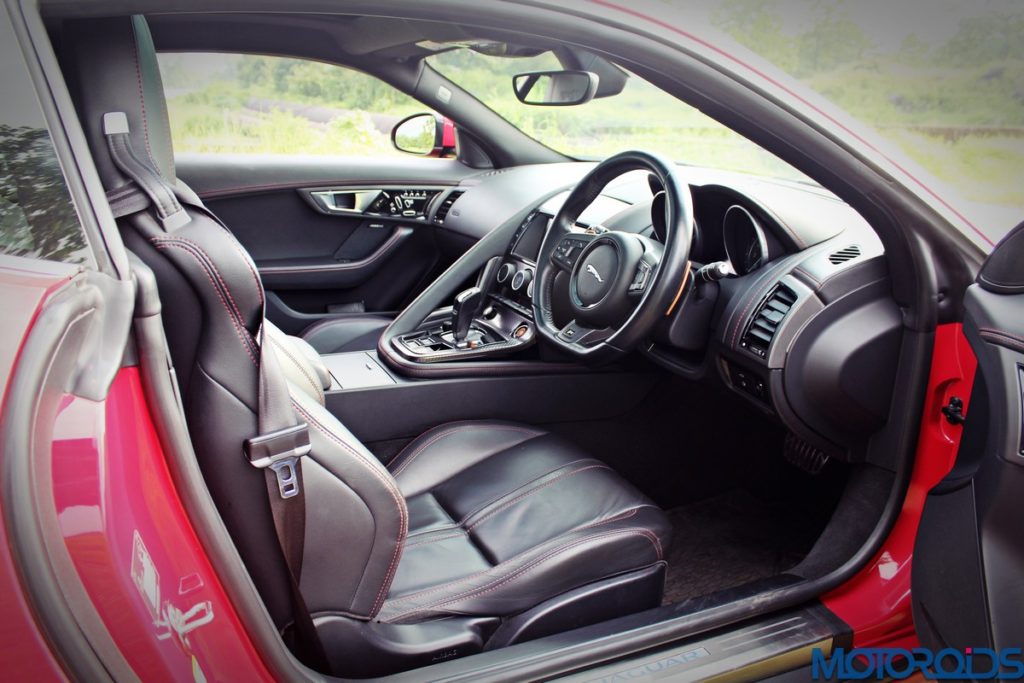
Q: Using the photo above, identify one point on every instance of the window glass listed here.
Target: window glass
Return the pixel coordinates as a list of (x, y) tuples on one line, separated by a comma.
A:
[(250, 104), (37, 217), (642, 116), (941, 81)]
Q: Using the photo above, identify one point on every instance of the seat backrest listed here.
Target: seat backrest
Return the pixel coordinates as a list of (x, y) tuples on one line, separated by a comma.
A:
[(213, 307)]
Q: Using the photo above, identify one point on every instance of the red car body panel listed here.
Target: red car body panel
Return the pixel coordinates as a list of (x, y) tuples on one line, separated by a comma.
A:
[(876, 602), (134, 546), (25, 653), (125, 530)]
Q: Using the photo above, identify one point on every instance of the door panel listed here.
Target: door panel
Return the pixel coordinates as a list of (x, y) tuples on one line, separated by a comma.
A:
[(331, 236), (967, 585)]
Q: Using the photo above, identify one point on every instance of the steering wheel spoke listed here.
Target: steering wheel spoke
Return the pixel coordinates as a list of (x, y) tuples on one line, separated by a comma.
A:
[(619, 282), (576, 333)]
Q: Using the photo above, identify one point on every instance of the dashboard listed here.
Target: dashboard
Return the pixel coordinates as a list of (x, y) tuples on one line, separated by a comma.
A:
[(803, 319)]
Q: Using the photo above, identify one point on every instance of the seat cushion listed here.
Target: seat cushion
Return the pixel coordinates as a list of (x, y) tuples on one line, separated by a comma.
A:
[(343, 333), (503, 517)]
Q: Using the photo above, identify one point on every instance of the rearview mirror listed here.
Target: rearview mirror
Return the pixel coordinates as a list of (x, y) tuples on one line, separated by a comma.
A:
[(424, 135), (555, 88)]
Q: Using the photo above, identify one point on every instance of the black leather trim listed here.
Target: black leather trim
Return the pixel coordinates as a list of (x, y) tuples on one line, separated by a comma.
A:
[(113, 67), (520, 516), (1003, 270), (346, 333)]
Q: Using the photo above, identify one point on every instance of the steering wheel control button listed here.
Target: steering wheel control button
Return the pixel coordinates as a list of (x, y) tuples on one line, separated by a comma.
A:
[(596, 274), (643, 274), (569, 332), (568, 251)]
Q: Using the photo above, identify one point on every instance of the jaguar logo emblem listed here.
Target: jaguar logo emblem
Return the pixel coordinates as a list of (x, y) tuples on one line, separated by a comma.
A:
[(593, 271)]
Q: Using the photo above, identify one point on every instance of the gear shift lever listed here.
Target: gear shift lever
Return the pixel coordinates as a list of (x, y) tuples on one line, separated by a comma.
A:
[(464, 309)]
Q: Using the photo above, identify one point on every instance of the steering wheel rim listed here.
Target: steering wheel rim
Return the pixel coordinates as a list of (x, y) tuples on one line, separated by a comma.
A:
[(594, 304)]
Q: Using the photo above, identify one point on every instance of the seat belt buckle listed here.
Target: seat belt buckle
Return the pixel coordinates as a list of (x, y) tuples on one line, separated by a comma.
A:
[(280, 451)]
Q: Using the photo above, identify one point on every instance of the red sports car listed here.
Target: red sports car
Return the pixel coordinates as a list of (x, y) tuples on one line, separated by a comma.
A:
[(289, 404)]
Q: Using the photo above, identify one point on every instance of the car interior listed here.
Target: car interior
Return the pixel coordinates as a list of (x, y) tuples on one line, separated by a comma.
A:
[(540, 393)]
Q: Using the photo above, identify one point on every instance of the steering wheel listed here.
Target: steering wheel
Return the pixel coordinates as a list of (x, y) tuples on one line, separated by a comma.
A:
[(620, 283)]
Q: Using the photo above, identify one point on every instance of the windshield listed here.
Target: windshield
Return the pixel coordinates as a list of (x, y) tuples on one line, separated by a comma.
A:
[(940, 81), (642, 116)]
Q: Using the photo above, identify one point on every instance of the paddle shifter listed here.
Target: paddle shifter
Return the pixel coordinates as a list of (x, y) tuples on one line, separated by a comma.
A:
[(464, 310)]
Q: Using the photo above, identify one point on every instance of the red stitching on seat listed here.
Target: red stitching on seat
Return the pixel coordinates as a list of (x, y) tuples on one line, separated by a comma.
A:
[(239, 330), (465, 427), (392, 489), (317, 389), (212, 265), (1001, 333), (507, 504), (478, 574), (502, 580)]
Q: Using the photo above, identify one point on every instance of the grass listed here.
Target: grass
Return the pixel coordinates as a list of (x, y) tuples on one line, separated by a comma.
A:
[(214, 113)]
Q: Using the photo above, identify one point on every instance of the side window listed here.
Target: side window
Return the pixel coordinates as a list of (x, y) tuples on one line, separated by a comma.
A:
[(249, 104), (37, 217)]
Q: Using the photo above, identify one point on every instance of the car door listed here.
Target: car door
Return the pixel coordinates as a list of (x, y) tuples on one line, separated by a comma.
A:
[(296, 158), (968, 567)]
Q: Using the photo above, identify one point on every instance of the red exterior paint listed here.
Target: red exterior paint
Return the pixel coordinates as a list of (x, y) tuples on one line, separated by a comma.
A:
[(876, 602), (114, 496), (24, 651), (448, 138)]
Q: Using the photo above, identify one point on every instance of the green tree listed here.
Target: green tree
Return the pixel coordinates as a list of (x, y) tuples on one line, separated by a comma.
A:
[(757, 25), (833, 41)]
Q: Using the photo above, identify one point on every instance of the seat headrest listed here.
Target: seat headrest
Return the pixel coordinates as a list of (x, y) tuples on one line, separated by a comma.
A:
[(111, 66)]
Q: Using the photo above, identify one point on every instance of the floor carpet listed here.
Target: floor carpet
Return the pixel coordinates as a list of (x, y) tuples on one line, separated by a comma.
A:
[(729, 540)]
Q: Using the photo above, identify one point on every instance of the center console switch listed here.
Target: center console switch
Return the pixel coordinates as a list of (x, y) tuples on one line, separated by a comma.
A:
[(493, 318), (497, 331)]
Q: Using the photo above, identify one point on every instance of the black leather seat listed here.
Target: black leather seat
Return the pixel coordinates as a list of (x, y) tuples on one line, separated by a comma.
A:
[(502, 514), (477, 534)]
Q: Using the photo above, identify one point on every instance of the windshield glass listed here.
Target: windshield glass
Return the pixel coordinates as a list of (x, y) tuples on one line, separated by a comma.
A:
[(642, 116), (940, 81)]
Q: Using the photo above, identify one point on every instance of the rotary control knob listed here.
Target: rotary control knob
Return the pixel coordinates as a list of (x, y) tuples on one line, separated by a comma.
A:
[(522, 279), (505, 272)]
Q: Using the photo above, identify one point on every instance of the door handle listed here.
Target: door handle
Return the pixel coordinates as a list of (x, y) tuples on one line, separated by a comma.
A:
[(345, 202)]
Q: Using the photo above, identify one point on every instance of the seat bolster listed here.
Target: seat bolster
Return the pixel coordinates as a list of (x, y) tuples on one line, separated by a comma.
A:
[(300, 363), (343, 333), (591, 553), (356, 519), (443, 452)]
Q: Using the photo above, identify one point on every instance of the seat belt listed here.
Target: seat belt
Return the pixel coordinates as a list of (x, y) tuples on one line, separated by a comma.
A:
[(278, 449), (283, 440)]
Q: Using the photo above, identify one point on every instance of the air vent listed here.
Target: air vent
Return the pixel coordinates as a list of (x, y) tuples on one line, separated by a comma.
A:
[(763, 325), (446, 206), (843, 255)]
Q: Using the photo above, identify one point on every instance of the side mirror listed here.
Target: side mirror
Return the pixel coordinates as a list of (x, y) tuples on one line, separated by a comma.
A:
[(555, 88), (427, 135)]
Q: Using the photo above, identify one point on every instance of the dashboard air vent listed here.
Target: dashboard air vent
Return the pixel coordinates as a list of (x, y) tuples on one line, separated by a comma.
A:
[(843, 255), (766, 319), (446, 206)]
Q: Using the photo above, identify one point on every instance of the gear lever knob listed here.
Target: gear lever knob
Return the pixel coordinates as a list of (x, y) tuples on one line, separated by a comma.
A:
[(464, 309)]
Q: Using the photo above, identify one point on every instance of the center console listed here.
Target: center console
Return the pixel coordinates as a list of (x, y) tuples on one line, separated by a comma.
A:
[(495, 317)]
